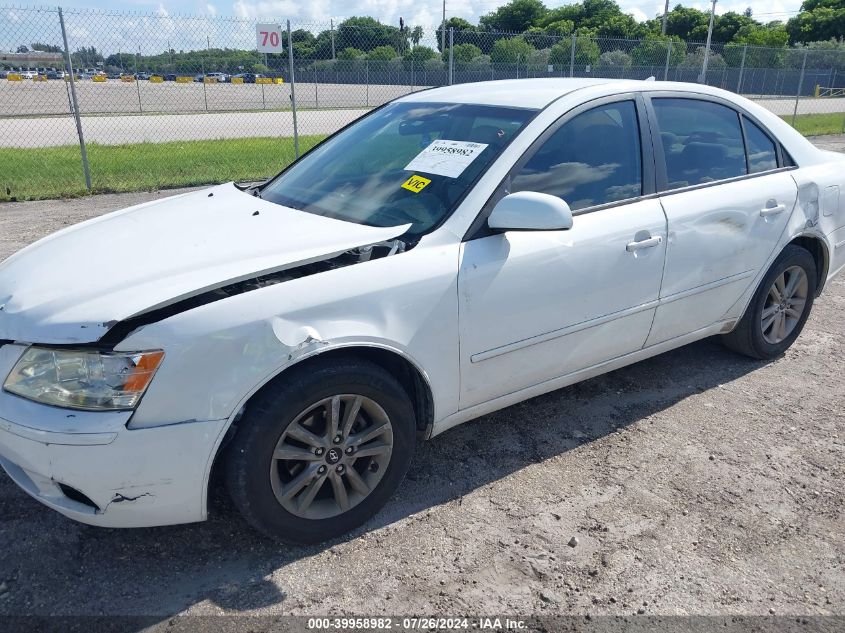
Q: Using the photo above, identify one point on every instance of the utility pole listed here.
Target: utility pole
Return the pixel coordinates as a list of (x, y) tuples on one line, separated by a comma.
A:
[(665, 16), (703, 78), (331, 27), (443, 30)]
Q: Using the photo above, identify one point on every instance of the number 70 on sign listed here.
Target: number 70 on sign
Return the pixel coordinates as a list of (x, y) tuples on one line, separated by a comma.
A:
[(268, 38)]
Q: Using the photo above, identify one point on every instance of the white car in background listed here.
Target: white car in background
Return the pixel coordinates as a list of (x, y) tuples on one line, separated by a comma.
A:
[(449, 254)]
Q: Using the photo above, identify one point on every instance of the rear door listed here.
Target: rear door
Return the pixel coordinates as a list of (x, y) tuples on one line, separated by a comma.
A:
[(727, 200)]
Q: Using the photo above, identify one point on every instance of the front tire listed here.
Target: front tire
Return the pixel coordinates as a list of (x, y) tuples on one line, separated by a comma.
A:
[(779, 309), (320, 450)]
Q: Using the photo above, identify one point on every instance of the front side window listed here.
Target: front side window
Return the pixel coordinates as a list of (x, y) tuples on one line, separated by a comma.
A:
[(762, 153), (702, 141), (594, 158), (404, 163)]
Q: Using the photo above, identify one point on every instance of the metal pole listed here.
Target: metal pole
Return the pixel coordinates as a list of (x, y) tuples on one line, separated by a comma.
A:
[(800, 84), (668, 56), (138, 83), (703, 78), (572, 57), (85, 169), (665, 16), (293, 95), (331, 26), (741, 69), (451, 55), (443, 29), (367, 82)]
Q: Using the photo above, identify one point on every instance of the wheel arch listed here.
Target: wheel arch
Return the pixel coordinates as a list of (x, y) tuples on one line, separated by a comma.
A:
[(411, 376), (818, 248)]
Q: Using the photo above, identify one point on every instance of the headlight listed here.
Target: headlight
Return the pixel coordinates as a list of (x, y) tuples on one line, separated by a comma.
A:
[(83, 379)]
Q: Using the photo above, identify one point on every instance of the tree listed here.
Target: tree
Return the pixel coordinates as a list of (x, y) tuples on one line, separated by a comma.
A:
[(419, 54), (510, 51), (727, 25), (559, 27), (382, 54), (687, 23), (366, 34), (463, 53), (586, 52), (464, 31), (22, 49), (615, 59), (45, 48), (829, 54), (695, 61), (620, 26), (818, 20), (652, 50), (416, 35), (766, 47), (515, 17), (351, 53)]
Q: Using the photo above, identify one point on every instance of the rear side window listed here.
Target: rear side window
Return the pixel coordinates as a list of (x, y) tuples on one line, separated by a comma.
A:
[(762, 154), (702, 141), (594, 158)]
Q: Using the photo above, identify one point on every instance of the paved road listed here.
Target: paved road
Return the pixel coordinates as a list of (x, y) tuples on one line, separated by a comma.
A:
[(116, 130), (133, 113)]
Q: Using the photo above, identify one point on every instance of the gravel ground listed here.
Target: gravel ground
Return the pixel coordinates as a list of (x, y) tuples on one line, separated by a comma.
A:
[(697, 482)]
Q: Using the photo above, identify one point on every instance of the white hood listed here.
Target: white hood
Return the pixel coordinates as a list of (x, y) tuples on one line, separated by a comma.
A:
[(70, 287)]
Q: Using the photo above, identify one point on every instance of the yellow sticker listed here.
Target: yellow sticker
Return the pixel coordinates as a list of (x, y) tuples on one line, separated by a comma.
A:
[(415, 183)]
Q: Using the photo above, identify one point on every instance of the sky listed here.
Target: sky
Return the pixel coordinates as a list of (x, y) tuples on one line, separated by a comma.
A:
[(425, 13), (151, 26)]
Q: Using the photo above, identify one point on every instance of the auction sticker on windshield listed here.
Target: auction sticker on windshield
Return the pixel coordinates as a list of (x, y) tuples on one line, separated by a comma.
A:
[(416, 183), (446, 158)]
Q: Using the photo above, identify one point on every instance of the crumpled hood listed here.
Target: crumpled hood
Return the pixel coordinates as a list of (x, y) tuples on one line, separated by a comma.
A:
[(70, 287)]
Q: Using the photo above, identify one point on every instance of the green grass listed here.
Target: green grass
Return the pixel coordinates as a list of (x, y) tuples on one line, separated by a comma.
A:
[(56, 172), (818, 124)]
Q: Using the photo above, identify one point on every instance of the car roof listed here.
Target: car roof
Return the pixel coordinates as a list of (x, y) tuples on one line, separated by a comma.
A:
[(525, 93)]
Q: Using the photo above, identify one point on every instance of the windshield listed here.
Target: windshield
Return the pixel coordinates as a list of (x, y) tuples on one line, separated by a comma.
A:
[(404, 163)]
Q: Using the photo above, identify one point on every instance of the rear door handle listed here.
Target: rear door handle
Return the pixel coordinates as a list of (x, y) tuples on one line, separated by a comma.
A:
[(647, 243), (778, 208)]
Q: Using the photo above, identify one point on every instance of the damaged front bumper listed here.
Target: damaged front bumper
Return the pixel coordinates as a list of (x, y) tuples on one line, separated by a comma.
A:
[(90, 467)]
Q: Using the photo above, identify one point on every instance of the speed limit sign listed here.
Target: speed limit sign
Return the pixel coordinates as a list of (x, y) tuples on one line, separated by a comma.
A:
[(269, 38)]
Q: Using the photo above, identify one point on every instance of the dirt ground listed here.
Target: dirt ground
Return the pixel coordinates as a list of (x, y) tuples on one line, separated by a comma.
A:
[(698, 482)]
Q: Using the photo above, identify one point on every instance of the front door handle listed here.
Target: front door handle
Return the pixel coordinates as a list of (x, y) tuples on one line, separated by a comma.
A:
[(651, 242), (767, 211)]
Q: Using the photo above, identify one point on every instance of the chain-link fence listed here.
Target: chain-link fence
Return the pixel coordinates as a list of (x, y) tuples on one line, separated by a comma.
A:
[(115, 101)]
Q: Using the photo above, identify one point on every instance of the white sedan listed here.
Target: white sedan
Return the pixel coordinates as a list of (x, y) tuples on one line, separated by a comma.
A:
[(451, 253)]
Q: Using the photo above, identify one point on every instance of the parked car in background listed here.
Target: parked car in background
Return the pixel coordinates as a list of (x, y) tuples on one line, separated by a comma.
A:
[(220, 78), (142, 75), (248, 78), (29, 74), (451, 253), (4, 74), (170, 77)]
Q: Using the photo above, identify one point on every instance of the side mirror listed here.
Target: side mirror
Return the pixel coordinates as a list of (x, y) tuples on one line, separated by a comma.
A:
[(530, 211)]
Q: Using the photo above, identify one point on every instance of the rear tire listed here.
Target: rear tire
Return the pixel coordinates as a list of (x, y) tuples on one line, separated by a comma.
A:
[(320, 450), (779, 308)]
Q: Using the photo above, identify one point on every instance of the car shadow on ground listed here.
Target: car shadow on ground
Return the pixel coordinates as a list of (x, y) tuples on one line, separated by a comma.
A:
[(222, 561)]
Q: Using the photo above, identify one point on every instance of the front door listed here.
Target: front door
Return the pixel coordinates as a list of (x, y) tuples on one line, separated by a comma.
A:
[(536, 305)]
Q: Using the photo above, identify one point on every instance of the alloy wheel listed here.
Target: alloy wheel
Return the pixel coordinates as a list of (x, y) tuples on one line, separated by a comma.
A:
[(332, 456), (784, 304)]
